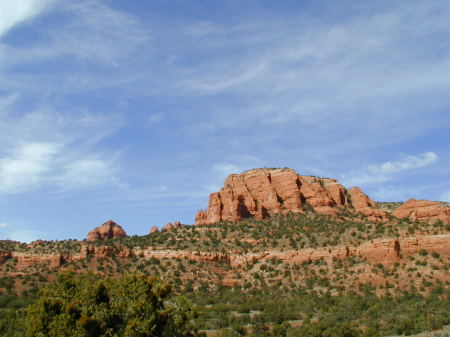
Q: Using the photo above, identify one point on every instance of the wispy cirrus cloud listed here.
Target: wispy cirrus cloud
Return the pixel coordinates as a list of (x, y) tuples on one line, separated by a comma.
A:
[(23, 168), (408, 163), (49, 137), (17, 12), (161, 105), (33, 166), (387, 171), (325, 77), (54, 151), (89, 173)]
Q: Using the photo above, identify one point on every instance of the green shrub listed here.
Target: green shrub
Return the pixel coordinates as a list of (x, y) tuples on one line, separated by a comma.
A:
[(87, 305)]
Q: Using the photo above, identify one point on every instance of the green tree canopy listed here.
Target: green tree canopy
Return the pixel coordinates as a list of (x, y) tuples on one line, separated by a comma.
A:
[(89, 306)]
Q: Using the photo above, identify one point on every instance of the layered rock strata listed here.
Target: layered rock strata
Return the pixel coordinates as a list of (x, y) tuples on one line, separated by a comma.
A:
[(384, 251), (261, 193), (423, 210)]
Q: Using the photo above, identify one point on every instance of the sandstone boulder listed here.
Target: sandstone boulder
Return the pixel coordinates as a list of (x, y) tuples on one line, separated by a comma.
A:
[(109, 230), (154, 229)]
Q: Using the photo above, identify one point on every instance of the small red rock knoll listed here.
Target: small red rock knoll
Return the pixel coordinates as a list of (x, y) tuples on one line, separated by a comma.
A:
[(261, 193), (109, 230), (423, 210)]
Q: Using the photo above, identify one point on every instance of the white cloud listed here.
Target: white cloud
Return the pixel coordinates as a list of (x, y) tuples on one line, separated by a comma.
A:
[(87, 172), (379, 173), (33, 166), (97, 39), (410, 162), (23, 167), (15, 12), (3, 225), (326, 77)]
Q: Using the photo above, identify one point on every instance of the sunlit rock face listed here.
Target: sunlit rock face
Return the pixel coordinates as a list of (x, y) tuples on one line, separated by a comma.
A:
[(109, 230), (423, 210), (261, 193)]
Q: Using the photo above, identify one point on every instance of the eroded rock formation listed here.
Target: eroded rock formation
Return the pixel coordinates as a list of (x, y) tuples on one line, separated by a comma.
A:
[(385, 251), (261, 193), (109, 230), (25, 260), (423, 210), (362, 204)]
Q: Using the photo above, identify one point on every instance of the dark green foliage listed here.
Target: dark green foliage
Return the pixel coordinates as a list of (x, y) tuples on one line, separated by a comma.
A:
[(355, 314), (87, 305)]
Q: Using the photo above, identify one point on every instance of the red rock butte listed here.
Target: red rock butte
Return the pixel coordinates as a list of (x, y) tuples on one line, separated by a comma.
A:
[(262, 193), (109, 230)]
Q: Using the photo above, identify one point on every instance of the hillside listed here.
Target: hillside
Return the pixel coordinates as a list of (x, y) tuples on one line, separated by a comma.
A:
[(301, 241)]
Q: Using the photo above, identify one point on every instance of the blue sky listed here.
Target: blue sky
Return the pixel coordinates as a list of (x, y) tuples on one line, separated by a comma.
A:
[(136, 110)]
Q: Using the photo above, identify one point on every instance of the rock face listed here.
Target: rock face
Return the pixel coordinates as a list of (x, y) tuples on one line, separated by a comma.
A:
[(154, 229), (109, 230), (385, 251), (423, 210), (25, 260), (365, 206), (261, 193)]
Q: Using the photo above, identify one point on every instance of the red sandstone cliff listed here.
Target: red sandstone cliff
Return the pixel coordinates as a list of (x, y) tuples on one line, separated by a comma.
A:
[(423, 210), (262, 193), (109, 230)]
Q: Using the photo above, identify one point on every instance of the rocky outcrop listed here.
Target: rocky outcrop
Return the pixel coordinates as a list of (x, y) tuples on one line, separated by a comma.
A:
[(423, 210), (169, 225), (384, 251), (154, 229), (109, 230), (365, 206), (26, 260), (261, 193), (88, 251), (182, 254)]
